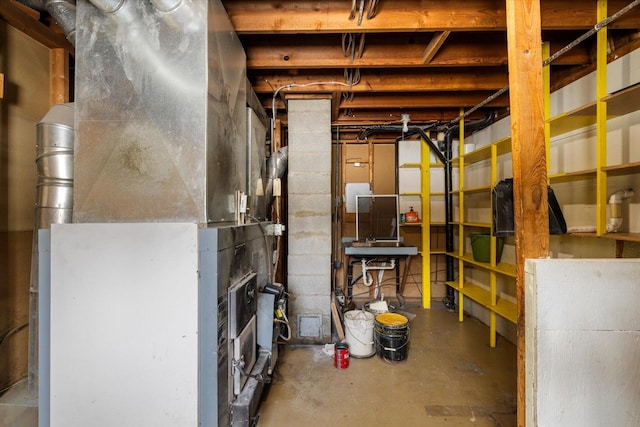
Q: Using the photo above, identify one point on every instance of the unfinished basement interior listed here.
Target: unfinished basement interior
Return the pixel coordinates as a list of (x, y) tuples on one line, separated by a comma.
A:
[(320, 213)]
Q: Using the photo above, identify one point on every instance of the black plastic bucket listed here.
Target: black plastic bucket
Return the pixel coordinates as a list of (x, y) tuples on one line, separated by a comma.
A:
[(391, 337)]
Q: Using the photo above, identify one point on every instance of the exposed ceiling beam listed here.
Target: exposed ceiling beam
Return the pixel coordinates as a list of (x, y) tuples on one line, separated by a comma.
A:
[(409, 100), (367, 117), (461, 50), (332, 16), (423, 100), (457, 79), (434, 46), (335, 105), (26, 20)]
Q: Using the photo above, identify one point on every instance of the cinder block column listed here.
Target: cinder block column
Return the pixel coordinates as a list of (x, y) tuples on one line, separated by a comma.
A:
[(309, 219)]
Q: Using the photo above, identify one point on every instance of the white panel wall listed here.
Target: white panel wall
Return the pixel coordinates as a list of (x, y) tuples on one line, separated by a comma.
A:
[(582, 342), (124, 325)]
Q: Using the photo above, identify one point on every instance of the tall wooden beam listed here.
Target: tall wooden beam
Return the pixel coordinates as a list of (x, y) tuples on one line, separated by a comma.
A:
[(529, 160)]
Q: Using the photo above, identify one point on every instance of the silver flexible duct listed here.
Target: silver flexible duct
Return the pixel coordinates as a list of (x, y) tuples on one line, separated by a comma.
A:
[(63, 11), (33, 4), (54, 161), (107, 6), (276, 167), (180, 14)]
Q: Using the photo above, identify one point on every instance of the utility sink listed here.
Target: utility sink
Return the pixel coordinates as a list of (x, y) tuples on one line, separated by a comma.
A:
[(377, 248), (376, 244)]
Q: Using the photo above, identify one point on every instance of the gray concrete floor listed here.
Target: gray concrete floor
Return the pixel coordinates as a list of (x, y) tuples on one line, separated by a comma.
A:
[(451, 377)]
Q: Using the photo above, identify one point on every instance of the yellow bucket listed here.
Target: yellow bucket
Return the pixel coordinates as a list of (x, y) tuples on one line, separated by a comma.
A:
[(391, 320), (391, 336)]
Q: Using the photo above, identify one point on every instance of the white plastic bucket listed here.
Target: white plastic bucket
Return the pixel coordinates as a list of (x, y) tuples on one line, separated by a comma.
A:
[(358, 325)]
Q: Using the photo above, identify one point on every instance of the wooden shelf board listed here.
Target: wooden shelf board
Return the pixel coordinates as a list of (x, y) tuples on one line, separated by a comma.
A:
[(626, 237), (501, 268), (438, 223), (438, 251), (482, 189), (506, 309), (623, 169), (478, 155), (624, 101), (583, 234), (573, 176), (572, 120), (411, 165), (477, 224), (414, 194), (503, 307), (504, 146), (411, 224)]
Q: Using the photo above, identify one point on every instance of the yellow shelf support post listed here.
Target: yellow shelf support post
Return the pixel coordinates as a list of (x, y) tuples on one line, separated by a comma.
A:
[(425, 187), (601, 121), (546, 102), (461, 218), (492, 275)]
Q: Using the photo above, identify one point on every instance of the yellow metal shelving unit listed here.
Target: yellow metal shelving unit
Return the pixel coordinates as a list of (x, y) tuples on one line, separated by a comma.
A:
[(485, 295), (597, 112), (594, 113), (425, 242)]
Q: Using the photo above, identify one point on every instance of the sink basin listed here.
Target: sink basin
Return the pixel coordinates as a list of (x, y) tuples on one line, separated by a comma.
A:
[(374, 244)]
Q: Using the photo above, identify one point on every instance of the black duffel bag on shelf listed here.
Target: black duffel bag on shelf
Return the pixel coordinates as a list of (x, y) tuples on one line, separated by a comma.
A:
[(502, 206)]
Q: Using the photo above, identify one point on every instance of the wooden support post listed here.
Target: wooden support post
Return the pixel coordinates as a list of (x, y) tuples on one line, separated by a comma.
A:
[(59, 77), (531, 212), (1, 85), (276, 137)]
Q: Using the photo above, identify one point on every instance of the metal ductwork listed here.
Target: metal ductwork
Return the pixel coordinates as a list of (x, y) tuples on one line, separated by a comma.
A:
[(180, 14), (33, 4), (63, 11), (276, 167), (108, 6), (161, 113), (54, 161), (55, 143)]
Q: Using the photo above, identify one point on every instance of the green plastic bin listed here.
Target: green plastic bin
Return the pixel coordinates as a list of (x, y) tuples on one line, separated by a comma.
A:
[(481, 247)]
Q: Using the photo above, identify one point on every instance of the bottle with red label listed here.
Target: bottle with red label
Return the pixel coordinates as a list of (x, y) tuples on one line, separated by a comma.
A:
[(411, 216)]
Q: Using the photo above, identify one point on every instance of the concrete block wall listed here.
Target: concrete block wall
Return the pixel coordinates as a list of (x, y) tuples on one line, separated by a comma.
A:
[(309, 219)]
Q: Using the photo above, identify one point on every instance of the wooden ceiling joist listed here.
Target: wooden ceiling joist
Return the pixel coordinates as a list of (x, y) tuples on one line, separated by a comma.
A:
[(331, 16), (408, 100), (423, 100), (397, 50), (409, 81), (27, 20)]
